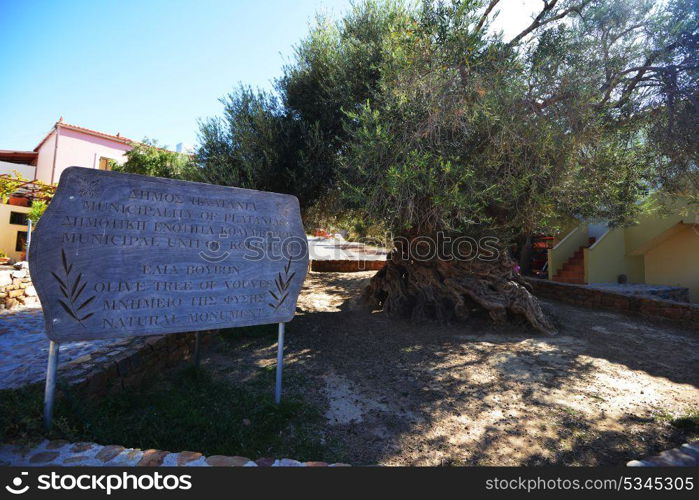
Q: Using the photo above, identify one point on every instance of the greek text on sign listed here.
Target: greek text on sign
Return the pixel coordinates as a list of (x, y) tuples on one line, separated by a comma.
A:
[(119, 255)]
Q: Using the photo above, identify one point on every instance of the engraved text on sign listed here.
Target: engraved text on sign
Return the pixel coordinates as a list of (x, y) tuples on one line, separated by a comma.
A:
[(119, 255)]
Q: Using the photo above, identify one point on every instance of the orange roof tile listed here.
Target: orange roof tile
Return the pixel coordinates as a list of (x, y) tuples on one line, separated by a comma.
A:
[(62, 124), (117, 138)]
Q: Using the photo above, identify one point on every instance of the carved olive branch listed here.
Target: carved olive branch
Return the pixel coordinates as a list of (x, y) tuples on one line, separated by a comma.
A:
[(72, 289), (282, 283)]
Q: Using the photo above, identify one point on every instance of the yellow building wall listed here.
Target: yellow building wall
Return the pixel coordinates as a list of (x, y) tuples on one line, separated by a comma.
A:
[(607, 259), (675, 262), (8, 232), (649, 227), (644, 252)]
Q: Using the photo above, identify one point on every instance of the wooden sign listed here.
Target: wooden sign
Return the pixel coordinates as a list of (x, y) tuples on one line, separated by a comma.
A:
[(120, 255)]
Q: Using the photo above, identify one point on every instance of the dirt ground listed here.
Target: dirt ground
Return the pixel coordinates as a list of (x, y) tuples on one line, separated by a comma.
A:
[(396, 393)]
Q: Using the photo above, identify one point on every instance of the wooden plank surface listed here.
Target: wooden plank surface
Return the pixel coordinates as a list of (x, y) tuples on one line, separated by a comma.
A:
[(120, 255)]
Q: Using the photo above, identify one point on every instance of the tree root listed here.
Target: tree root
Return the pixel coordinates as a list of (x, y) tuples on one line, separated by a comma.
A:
[(448, 290)]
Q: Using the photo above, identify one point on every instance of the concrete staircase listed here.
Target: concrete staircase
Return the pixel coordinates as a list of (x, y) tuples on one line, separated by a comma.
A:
[(573, 271)]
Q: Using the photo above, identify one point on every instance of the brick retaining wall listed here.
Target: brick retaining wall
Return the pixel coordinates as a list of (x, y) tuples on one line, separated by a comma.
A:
[(684, 313), (145, 358), (346, 266)]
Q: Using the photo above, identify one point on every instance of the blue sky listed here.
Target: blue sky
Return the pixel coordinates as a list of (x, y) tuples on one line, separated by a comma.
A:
[(147, 68)]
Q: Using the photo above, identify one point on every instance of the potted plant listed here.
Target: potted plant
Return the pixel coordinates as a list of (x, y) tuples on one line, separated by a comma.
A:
[(4, 259), (8, 185), (18, 201)]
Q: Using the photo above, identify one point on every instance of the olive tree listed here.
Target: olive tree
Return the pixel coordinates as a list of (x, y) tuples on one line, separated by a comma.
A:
[(422, 118), (475, 134)]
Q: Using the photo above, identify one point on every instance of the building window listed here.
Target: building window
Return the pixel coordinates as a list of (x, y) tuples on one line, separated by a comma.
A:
[(21, 244), (105, 163), (18, 218)]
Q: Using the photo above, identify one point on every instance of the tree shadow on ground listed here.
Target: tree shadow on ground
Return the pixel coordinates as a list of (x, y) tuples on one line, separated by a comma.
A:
[(399, 392)]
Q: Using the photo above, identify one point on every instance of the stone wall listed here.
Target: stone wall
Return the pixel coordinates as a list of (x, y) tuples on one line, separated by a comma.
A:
[(676, 293), (684, 313), (62, 454), (686, 455), (346, 266), (16, 287), (145, 358)]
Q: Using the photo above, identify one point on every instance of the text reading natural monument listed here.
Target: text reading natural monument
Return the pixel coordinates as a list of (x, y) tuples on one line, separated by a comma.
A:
[(120, 255)]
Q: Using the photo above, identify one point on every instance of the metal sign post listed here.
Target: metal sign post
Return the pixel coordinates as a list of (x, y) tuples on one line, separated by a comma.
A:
[(29, 238), (280, 361), (50, 392)]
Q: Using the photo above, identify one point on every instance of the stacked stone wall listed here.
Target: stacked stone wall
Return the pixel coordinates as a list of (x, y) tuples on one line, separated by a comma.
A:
[(16, 287)]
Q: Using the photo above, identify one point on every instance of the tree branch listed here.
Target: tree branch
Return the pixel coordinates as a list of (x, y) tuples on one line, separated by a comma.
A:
[(541, 20), (485, 15), (638, 77)]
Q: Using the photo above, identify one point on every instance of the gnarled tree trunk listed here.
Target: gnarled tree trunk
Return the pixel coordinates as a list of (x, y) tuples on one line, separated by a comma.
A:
[(449, 289)]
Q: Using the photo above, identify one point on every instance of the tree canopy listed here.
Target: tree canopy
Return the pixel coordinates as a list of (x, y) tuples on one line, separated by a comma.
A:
[(422, 118)]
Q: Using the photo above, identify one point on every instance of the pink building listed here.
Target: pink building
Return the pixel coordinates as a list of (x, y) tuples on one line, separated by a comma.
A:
[(64, 146)]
